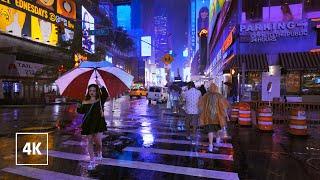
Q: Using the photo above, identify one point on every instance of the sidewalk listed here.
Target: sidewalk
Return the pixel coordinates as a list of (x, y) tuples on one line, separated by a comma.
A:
[(276, 155)]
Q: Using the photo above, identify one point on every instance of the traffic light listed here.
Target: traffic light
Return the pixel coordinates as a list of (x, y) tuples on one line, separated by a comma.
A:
[(60, 28)]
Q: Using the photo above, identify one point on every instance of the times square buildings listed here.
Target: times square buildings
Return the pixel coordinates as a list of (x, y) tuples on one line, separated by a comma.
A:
[(33, 53), (255, 44)]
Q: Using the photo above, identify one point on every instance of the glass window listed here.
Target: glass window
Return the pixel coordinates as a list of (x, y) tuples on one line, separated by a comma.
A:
[(151, 89), (157, 89), (292, 82), (311, 83)]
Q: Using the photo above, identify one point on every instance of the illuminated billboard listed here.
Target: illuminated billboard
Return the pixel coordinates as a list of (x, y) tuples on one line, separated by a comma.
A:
[(145, 46), (12, 21), (285, 12), (214, 9), (43, 31), (202, 18), (87, 25), (37, 20)]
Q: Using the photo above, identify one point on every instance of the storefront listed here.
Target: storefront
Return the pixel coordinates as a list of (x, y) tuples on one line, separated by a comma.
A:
[(268, 48), (300, 75), (20, 83)]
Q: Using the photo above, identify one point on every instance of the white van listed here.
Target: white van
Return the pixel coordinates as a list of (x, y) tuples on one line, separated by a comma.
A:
[(159, 94)]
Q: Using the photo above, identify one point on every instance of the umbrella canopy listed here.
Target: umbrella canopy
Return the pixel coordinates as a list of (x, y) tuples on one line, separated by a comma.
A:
[(74, 83)]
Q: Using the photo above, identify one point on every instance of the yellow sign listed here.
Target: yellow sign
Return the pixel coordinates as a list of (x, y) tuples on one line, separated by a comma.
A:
[(167, 59), (43, 31), (12, 20), (46, 14)]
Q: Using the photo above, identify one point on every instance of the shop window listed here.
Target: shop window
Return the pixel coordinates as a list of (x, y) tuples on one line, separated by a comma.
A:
[(311, 84), (292, 83), (11, 89), (253, 86)]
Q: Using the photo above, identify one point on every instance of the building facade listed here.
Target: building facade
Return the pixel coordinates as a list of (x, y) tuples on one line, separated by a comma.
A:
[(31, 46), (257, 45)]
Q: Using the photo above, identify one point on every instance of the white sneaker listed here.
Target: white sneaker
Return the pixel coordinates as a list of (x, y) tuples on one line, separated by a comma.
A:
[(210, 148), (91, 166)]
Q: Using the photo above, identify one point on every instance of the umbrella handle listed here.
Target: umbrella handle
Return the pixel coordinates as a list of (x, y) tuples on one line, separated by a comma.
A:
[(95, 71)]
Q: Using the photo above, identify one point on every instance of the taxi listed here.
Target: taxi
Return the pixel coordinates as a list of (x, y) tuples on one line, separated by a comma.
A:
[(138, 92)]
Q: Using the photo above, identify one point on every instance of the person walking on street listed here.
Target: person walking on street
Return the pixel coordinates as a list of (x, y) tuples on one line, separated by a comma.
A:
[(212, 108), (93, 124), (192, 97)]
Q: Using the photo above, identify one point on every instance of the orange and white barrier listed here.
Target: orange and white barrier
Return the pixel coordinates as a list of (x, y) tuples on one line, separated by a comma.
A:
[(244, 114), (298, 122), (265, 121), (234, 113)]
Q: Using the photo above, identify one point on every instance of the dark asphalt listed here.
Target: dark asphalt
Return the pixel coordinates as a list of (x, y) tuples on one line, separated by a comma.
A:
[(157, 147)]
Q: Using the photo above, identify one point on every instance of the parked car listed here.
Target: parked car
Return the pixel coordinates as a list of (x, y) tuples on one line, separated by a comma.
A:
[(138, 92), (159, 94)]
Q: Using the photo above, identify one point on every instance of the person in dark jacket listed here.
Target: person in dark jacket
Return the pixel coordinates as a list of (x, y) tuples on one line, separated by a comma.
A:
[(94, 123), (202, 89)]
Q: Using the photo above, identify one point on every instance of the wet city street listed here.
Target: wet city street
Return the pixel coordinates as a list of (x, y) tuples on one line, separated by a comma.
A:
[(147, 141)]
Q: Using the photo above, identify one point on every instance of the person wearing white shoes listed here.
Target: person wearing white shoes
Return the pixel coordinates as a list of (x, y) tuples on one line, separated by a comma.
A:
[(212, 108), (94, 123)]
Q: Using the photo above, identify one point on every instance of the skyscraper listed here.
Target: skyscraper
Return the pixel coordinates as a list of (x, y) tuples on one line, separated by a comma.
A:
[(160, 38)]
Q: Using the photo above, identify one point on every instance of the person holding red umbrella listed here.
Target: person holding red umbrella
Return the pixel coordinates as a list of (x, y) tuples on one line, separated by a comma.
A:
[(94, 123)]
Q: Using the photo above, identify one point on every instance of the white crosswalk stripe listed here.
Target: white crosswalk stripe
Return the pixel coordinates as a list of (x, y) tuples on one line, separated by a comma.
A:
[(151, 166), (41, 173), (161, 147)]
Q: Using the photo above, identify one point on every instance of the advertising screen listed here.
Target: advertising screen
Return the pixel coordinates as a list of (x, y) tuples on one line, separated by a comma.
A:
[(43, 31), (145, 46), (283, 13), (202, 17), (36, 20), (87, 25), (67, 8), (13, 21), (214, 10)]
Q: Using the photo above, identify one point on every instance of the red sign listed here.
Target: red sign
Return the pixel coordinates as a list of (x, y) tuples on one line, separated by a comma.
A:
[(227, 43)]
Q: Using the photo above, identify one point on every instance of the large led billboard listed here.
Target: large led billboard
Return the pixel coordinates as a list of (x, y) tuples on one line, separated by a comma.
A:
[(37, 20), (285, 12), (202, 18), (145, 46), (87, 25), (214, 9)]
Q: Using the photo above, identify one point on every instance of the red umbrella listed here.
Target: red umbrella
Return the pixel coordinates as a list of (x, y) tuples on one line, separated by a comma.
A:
[(74, 83)]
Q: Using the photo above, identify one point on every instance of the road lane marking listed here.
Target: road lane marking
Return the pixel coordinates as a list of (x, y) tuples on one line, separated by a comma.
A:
[(41, 173), (180, 153), (151, 166)]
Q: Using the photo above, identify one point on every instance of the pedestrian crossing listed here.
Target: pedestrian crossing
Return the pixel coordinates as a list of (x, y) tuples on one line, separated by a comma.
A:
[(164, 157), (36, 173)]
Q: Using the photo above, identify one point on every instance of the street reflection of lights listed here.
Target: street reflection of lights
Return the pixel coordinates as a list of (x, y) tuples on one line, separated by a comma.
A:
[(145, 124), (15, 114), (147, 136), (56, 109), (148, 140)]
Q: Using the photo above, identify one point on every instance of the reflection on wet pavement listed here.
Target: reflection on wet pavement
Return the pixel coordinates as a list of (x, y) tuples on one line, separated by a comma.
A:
[(159, 148)]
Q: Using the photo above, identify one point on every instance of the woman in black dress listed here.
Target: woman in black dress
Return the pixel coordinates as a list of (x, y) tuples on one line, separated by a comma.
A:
[(94, 123)]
